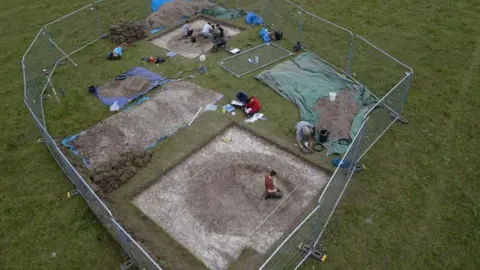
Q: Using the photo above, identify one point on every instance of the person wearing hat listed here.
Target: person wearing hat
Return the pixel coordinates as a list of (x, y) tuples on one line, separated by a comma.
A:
[(304, 132)]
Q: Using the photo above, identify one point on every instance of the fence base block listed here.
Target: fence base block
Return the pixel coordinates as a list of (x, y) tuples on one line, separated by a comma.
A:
[(128, 265), (73, 193), (400, 119), (315, 253)]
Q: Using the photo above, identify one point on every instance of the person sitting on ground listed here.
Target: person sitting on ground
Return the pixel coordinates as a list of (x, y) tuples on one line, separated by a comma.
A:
[(117, 53), (242, 97), (252, 106), (271, 190), (207, 30), (219, 32), (304, 132), (187, 32)]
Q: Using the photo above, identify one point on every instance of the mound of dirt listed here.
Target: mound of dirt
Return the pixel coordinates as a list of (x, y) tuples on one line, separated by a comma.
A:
[(127, 31), (111, 175), (337, 116), (170, 13)]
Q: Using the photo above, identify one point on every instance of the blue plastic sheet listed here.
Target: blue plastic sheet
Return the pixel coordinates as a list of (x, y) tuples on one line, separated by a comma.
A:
[(157, 3), (156, 30), (252, 18), (154, 81), (264, 35)]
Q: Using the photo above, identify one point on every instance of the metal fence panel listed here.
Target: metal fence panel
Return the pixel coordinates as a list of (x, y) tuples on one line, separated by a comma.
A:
[(385, 113), (282, 15), (309, 232), (53, 45), (330, 42), (132, 247), (385, 77), (75, 30), (246, 62)]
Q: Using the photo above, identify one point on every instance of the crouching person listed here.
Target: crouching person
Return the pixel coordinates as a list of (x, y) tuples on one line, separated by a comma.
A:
[(271, 190), (252, 106)]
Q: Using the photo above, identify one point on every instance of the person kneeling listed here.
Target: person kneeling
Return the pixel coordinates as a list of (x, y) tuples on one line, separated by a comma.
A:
[(252, 106), (117, 53), (207, 30), (271, 190)]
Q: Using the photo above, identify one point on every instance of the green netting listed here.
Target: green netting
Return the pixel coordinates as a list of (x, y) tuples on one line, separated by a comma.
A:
[(305, 80), (223, 13), (245, 62)]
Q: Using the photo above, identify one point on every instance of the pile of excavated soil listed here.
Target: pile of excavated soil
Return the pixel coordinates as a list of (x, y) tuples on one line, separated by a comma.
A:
[(170, 13), (337, 116), (127, 32), (169, 109), (111, 175)]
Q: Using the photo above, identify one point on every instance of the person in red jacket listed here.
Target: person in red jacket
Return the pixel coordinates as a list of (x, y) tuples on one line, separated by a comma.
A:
[(252, 106), (271, 190)]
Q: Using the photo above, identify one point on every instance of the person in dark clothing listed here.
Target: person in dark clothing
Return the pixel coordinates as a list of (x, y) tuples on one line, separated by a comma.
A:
[(219, 32), (271, 190), (242, 97)]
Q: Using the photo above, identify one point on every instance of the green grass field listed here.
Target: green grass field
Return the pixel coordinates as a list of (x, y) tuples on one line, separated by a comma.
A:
[(414, 208)]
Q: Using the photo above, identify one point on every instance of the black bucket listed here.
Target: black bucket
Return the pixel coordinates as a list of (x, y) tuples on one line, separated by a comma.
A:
[(323, 136)]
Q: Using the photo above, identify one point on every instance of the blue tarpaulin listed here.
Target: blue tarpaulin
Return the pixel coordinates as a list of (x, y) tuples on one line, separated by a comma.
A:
[(264, 35), (153, 78), (252, 18), (157, 3)]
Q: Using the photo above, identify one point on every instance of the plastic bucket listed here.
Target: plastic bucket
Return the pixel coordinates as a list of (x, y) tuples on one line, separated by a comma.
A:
[(203, 58), (323, 136), (332, 96)]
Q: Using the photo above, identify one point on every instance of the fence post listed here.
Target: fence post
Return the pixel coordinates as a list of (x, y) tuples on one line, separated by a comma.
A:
[(405, 94), (300, 24), (351, 45)]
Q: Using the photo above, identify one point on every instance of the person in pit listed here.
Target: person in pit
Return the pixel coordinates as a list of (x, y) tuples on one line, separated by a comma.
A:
[(271, 190), (187, 32), (207, 30), (219, 32)]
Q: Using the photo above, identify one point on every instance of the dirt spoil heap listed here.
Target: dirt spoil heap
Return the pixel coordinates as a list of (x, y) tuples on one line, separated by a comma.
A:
[(127, 31), (111, 175), (172, 13)]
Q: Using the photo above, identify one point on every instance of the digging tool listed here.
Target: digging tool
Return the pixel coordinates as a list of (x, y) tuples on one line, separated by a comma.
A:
[(317, 254), (181, 79), (183, 71)]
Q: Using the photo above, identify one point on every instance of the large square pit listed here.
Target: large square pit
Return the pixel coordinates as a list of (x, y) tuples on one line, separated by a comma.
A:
[(176, 42), (212, 202)]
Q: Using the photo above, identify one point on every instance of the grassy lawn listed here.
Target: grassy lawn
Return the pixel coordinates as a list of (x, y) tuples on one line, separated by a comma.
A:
[(415, 207)]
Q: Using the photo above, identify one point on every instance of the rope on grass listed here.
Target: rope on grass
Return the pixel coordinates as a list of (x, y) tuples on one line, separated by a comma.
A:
[(259, 225)]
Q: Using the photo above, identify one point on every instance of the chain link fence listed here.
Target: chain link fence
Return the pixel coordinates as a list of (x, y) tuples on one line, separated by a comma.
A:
[(386, 78), (56, 43)]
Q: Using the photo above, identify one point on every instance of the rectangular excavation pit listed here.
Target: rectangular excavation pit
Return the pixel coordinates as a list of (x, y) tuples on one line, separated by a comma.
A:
[(212, 202), (168, 109), (174, 41)]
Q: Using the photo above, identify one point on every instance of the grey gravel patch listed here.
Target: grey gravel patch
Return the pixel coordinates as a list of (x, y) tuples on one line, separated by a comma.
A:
[(132, 130), (212, 202)]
